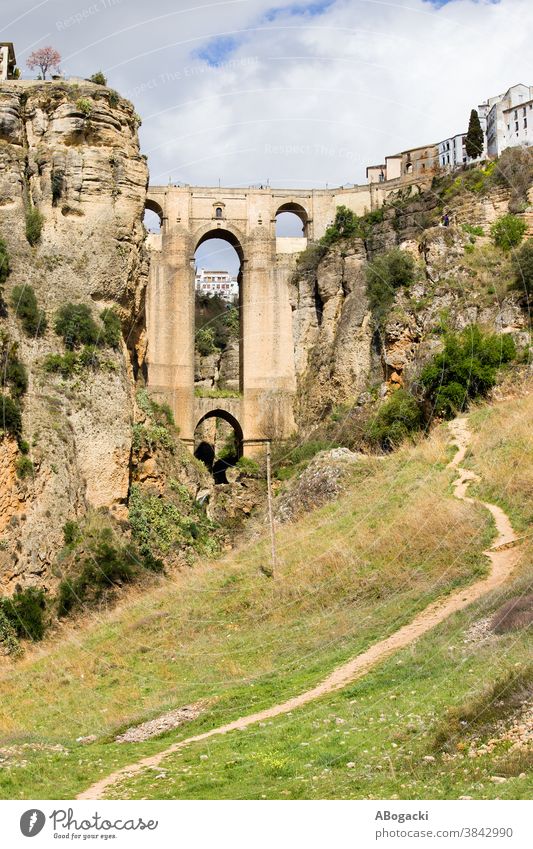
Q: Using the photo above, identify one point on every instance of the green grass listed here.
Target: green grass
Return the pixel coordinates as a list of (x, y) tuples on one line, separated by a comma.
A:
[(385, 724), (349, 574)]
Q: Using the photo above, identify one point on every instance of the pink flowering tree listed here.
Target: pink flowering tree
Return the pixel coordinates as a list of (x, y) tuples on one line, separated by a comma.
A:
[(45, 58)]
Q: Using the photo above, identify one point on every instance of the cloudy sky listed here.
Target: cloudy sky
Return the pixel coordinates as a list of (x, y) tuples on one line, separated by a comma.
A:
[(303, 93)]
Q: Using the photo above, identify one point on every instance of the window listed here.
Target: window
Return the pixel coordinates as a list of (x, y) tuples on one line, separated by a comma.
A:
[(516, 126), (218, 212)]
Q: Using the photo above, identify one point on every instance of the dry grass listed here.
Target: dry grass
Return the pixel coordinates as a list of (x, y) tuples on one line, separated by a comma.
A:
[(349, 574)]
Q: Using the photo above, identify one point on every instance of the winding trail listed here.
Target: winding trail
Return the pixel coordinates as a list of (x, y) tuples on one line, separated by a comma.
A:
[(503, 556)]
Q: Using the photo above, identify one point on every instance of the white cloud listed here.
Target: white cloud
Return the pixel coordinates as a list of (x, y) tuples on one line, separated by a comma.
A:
[(307, 99)]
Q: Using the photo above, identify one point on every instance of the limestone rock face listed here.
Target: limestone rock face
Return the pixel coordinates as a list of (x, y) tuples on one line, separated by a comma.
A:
[(71, 151), (323, 480), (332, 333)]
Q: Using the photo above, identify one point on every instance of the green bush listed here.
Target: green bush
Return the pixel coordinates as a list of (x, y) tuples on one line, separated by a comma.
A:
[(12, 370), (4, 262), (24, 467), (217, 323), (523, 267), (473, 230), (85, 106), (384, 275), (98, 78), (249, 468), (466, 369), (10, 416), (71, 533), (344, 226), (205, 341), (158, 411), (112, 328), (105, 567), (508, 231), (8, 636), (25, 611), (287, 459), (75, 323), (63, 364), (24, 303), (34, 225), (398, 418)]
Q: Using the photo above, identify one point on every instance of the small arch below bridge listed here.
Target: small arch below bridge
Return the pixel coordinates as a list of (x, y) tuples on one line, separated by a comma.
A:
[(218, 442)]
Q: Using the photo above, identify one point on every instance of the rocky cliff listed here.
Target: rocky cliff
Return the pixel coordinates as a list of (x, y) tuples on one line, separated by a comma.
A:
[(342, 357), (69, 153)]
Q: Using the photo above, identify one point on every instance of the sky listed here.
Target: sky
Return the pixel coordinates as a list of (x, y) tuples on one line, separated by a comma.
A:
[(304, 94)]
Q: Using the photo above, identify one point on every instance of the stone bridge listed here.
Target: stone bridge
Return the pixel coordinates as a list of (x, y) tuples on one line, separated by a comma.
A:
[(246, 218)]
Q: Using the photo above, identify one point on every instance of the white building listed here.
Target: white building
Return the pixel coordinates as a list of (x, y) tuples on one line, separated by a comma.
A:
[(509, 119), (452, 152), (7, 60), (217, 283)]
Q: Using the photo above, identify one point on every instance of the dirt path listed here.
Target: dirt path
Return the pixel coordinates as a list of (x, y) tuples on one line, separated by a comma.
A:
[(503, 558)]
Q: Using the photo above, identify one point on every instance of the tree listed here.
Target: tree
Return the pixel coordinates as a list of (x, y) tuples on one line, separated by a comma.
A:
[(98, 78), (474, 138), (45, 58), (508, 231), (523, 267)]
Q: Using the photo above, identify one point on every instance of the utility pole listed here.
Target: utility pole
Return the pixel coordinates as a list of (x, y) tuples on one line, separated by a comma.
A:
[(273, 554)]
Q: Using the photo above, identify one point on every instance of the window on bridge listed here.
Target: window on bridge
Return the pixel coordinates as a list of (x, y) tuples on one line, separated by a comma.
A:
[(218, 367), (153, 217), (289, 225), (218, 444), (291, 221)]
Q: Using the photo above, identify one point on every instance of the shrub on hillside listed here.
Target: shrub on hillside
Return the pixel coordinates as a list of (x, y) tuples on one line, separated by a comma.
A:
[(24, 303), (205, 341), (398, 418), (217, 323), (4, 262), (63, 364), (25, 611), (112, 328), (75, 323), (9, 643), (24, 468), (523, 267), (348, 225), (10, 416), (34, 225), (248, 467), (71, 533), (466, 369), (508, 231), (12, 372), (98, 78), (106, 567), (384, 275)]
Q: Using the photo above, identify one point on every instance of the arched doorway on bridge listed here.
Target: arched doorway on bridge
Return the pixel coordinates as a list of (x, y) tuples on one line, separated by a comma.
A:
[(291, 221), (218, 441), (218, 325), (153, 217)]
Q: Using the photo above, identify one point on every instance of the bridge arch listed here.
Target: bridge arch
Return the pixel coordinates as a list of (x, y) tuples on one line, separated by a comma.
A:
[(156, 210), (207, 451), (294, 209), (227, 233)]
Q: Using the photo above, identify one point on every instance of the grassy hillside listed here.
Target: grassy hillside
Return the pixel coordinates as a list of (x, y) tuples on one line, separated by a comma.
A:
[(224, 634)]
